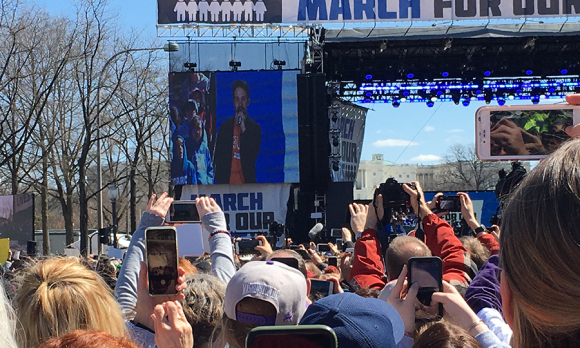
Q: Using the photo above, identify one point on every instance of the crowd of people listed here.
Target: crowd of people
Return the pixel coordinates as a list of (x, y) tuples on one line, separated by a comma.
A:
[(513, 285)]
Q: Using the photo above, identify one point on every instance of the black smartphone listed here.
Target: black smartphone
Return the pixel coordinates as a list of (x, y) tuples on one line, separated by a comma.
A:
[(428, 273), (339, 244), (322, 248), (304, 336), (247, 246), (322, 287), (161, 256), (336, 232), (304, 254), (289, 261), (449, 203), (182, 212), (333, 261)]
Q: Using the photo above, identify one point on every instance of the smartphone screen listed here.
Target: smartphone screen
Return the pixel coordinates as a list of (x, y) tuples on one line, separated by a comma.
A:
[(247, 246), (336, 232), (527, 132), (304, 336), (333, 261), (321, 287), (428, 273), (449, 203), (323, 248), (182, 211), (161, 249)]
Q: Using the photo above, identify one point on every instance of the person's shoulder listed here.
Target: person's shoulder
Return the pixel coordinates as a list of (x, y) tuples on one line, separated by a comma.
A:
[(251, 123)]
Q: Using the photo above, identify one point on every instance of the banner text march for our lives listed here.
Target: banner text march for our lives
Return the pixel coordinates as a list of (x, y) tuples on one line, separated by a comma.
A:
[(322, 11), (249, 208)]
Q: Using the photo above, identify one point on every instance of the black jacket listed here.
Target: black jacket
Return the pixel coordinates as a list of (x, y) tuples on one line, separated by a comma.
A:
[(250, 142)]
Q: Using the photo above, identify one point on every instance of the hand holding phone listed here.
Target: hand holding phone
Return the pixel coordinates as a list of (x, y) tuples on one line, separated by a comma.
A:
[(457, 310), (161, 256), (182, 212), (322, 287), (247, 246), (427, 273), (449, 203)]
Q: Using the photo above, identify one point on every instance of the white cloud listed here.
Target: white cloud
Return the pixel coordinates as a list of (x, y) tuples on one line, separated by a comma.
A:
[(429, 129), (394, 142), (455, 131), (426, 158)]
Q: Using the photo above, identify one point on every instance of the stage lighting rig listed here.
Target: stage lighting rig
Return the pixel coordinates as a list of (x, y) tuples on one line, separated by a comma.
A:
[(234, 65), (190, 66)]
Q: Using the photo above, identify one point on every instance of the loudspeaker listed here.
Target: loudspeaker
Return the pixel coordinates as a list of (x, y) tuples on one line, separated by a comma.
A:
[(313, 127), (31, 248)]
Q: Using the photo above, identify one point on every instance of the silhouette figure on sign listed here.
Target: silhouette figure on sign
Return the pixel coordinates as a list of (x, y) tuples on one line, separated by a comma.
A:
[(237, 8), (180, 8), (248, 10), (226, 10), (260, 9), (214, 11), (203, 7), (192, 10)]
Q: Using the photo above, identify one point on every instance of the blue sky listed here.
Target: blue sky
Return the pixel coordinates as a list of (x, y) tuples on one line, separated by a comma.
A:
[(431, 131)]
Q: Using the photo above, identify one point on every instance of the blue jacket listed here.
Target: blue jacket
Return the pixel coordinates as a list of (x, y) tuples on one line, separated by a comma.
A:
[(182, 172), (202, 163)]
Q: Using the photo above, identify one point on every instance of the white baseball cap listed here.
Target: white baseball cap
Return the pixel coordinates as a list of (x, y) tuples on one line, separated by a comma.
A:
[(274, 282)]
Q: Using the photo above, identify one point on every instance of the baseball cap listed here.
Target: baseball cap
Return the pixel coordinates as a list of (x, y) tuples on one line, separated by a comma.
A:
[(357, 321), (274, 282)]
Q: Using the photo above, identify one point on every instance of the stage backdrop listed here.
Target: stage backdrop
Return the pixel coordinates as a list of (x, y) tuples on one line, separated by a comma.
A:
[(248, 208), (324, 11), (261, 134), (17, 220), (484, 206), (350, 121)]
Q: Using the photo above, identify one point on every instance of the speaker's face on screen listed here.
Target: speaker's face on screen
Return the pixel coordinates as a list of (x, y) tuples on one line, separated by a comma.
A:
[(241, 100)]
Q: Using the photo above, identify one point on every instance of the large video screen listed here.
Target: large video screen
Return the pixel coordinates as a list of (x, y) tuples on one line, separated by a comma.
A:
[(17, 219), (234, 127)]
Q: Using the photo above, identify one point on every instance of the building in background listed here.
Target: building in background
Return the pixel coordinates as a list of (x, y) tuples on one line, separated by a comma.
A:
[(470, 175)]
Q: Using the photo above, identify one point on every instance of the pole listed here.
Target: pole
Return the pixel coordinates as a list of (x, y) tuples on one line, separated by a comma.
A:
[(114, 228)]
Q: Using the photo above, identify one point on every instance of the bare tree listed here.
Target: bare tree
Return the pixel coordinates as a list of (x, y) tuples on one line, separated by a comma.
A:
[(462, 170)]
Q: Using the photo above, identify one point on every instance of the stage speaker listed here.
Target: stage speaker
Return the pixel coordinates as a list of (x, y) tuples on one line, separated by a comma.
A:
[(31, 248), (313, 127)]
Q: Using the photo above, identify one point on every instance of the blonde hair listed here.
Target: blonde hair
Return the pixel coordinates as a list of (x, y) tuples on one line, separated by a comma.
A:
[(7, 319), (58, 296), (540, 246)]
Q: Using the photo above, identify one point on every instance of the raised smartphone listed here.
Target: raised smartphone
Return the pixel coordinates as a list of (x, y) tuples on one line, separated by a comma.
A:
[(182, 212), (304, 336), (428, 273), (161, 256), (522, 132)]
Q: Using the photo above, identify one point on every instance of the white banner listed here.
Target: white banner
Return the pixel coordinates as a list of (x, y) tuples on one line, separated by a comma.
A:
[(323, 11), (350, 121), (249, 208)]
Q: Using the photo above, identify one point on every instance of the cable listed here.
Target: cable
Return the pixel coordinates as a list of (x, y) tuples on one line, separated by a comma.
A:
[(411, 141)]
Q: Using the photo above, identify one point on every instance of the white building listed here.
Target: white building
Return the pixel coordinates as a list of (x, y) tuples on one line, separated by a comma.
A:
[(376, 171)]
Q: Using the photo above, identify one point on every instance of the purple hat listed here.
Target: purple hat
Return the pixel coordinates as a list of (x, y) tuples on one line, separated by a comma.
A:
[(357, 321)]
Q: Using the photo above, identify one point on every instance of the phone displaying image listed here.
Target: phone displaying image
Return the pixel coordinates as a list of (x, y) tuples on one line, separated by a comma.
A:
[(449, 203), (304, 336), (247, 246), (161, 256), (322, 248), (522, 133), (322, 287), (336, 232), (333, 261), (182, 212), (428, 273)]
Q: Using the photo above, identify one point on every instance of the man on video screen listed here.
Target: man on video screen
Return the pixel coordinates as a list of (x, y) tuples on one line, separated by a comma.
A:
[(238, 142)]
